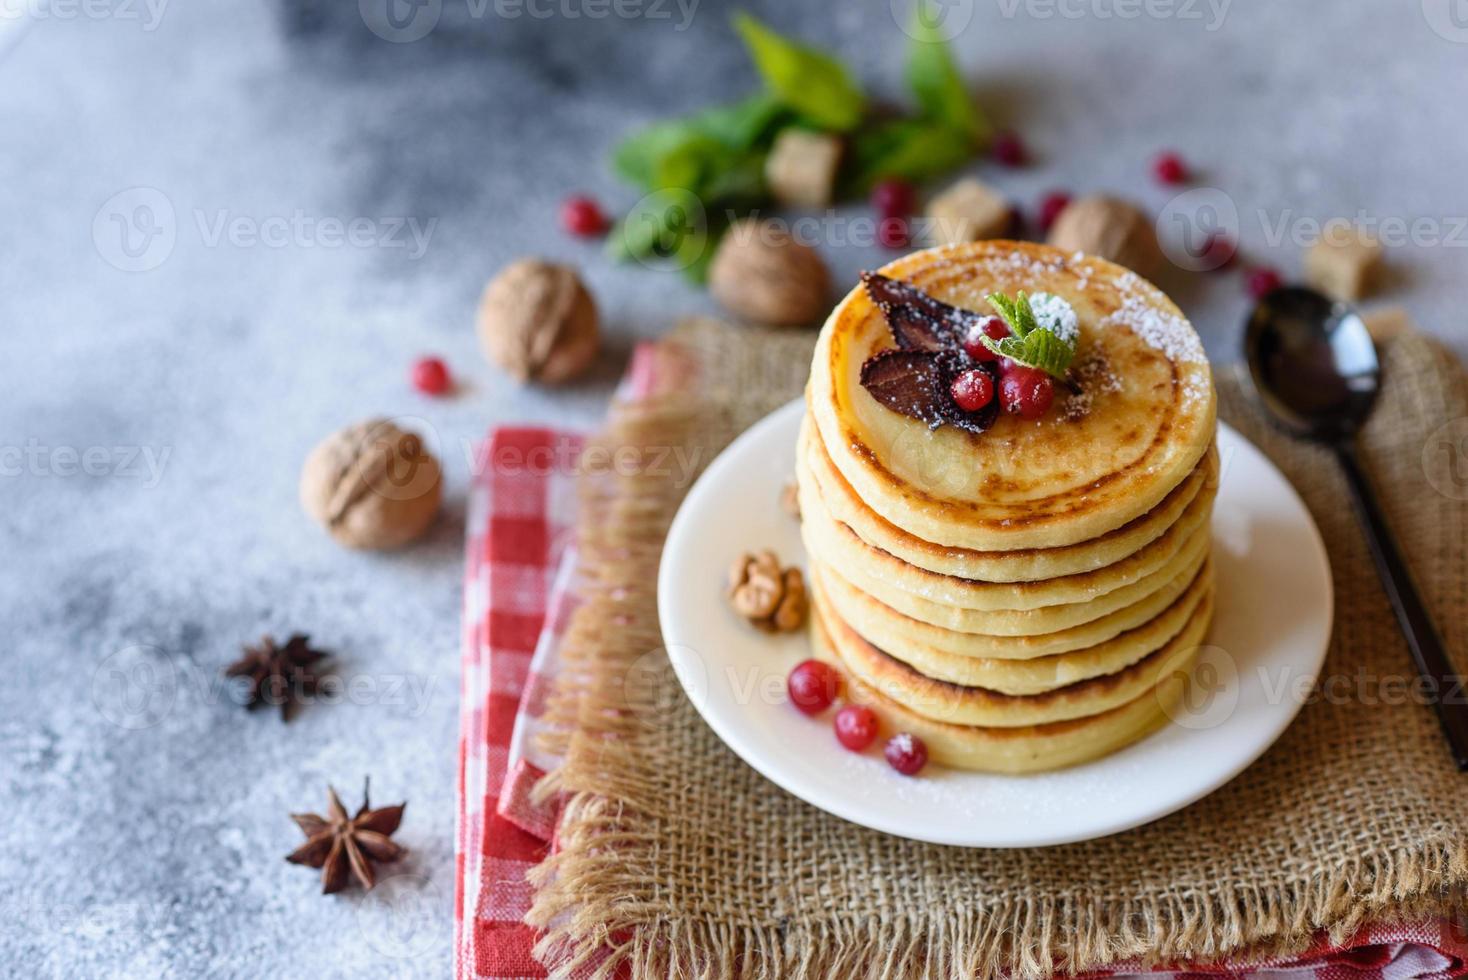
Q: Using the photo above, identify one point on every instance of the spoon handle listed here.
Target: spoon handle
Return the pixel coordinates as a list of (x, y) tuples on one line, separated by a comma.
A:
[(1422, 637)]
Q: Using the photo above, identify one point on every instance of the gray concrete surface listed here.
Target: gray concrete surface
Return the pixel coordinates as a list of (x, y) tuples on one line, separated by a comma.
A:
[(152, 422)]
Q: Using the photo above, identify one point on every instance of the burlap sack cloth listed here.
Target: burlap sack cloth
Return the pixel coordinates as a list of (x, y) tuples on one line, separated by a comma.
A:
[(677, 859)]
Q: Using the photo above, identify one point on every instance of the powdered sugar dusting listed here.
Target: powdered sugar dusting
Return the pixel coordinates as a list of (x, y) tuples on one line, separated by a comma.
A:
[(1057, 316), (1166, 332)]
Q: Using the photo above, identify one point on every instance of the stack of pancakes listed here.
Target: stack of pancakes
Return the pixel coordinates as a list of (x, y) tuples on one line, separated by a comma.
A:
[(1031, 596)]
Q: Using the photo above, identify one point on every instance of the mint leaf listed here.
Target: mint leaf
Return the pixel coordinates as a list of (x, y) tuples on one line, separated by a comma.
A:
[(1016, 313), (659, 224), (712, 171), (695, 253), (804, 79), (738, 127), (636, 158), (911, 149), (935, 81), (1047, 352), (743, 124), (1046, 344)]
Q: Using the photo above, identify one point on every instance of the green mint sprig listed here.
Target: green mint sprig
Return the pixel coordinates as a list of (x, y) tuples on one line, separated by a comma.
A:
[(1030, 342), (715, 158), (811, 82)]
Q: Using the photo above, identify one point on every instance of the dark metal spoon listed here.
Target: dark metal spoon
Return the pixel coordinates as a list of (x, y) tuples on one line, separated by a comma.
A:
[(1316, 371)]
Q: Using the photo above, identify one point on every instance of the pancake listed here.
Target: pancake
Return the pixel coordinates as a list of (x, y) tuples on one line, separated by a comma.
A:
[(1024, 749), (1146, 418), (1040, 674), (1025, 565), (834, 543), (966, 705), (891, 630), (1028, 622)]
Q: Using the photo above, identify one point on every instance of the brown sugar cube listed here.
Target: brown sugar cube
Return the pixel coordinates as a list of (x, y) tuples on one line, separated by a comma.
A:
[(1343, 264), (801, 167), (969, 211), (1387, 324)]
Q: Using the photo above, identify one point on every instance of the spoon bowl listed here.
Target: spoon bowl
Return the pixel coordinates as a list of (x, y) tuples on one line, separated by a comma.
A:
[(1313, 363)]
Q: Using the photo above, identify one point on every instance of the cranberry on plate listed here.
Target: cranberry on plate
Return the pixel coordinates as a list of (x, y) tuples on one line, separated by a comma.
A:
[(856, 726), (813, 686), (906, 753)]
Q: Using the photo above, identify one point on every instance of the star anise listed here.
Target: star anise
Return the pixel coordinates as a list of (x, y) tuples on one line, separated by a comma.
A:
[(278, 675), (915, 377), (343, 846)]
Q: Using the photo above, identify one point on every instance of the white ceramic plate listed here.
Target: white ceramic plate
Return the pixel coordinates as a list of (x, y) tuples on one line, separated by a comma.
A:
[(1268, 640)]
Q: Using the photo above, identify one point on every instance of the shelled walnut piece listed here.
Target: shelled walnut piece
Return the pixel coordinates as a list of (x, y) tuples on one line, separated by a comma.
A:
[(770, 597)]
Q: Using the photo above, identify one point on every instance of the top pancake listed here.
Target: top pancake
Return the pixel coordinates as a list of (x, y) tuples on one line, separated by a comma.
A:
[(1094, 462)]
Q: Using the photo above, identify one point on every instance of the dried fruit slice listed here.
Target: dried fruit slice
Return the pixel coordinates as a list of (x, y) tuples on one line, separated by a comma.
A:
[(917, 320), (918, 384)]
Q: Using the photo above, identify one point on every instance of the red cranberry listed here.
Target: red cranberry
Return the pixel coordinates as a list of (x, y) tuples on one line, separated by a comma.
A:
[(1219, 251), (582, 217), (906, 753), (1263, 281), (1026, 392), (1009, 149), (431, 376), (972, 390), (893, 198), (812, 686), (1170, 168), (1050, 207), (893, 233), (991, 327), (856, 726)]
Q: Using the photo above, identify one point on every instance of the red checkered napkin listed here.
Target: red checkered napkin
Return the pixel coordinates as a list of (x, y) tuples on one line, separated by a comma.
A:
[(520, 519), (519, 589)]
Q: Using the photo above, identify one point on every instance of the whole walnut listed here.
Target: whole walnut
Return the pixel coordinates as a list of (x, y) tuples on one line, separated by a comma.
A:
[(1109, 228), (538, 322), (763, 274), (372, 485)]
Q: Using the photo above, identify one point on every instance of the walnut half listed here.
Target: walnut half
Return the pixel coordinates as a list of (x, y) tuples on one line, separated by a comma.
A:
[(770, 597)]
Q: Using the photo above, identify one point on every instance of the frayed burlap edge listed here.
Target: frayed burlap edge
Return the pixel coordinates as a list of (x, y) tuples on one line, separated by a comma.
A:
[(592, 894)]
